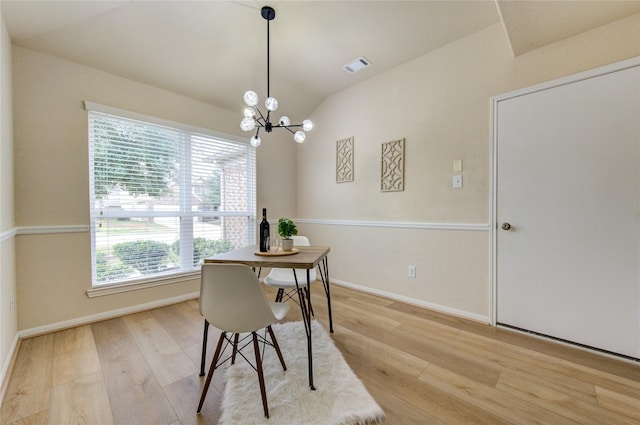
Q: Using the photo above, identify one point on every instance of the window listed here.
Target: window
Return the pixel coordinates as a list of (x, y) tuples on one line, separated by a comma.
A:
[(164, 196)]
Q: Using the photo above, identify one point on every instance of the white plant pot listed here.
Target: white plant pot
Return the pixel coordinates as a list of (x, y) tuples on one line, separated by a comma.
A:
[(287, 244)]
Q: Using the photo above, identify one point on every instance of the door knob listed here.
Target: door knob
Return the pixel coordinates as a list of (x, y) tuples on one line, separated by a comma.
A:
[(506, 226)]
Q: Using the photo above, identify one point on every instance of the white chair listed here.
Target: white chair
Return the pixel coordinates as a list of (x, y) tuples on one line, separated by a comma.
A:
[(284, 281), (232, 300)]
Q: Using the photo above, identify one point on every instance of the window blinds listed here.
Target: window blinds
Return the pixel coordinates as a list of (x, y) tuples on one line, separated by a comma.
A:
[(164, 196)]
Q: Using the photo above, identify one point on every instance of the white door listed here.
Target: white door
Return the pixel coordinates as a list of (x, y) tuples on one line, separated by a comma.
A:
[(568, 183)]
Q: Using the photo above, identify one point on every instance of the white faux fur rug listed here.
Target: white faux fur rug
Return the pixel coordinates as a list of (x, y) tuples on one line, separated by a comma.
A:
[(340, 397)]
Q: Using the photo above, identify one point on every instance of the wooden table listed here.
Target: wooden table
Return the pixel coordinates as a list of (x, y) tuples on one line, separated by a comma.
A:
[(308, 257)]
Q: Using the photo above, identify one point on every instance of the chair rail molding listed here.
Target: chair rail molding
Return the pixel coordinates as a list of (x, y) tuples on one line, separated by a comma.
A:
[(44, 230), (480, 227)]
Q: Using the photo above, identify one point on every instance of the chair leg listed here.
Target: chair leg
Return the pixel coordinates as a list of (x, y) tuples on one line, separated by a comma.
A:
[(263, 391), (279, 295), (235, 348), (212, 368), (204, 346), (276, 346)]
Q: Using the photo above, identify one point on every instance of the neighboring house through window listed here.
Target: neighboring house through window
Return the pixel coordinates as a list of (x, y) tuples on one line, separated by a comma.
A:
[(163, 196)]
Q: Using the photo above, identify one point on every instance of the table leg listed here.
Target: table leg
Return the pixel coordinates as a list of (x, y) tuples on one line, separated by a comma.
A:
[(309, 348), (323, 267), (305, 308)]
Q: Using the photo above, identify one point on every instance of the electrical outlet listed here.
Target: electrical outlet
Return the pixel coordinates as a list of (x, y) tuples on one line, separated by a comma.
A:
[(411, 272)]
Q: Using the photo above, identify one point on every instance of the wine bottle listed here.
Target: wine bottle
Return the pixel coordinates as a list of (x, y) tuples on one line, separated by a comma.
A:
[(264, 232)]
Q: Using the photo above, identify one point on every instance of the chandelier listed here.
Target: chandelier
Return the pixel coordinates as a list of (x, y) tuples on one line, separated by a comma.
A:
[(254, 118)]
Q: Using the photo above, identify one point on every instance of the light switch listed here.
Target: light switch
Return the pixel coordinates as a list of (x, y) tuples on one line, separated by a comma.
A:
[(457, 165), (457, 181)]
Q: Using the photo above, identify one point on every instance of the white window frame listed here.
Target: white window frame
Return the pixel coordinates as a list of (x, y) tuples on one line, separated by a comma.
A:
[(186, 226)]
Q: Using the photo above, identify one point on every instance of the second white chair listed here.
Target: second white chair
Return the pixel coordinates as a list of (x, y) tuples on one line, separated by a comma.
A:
[(284, 281)]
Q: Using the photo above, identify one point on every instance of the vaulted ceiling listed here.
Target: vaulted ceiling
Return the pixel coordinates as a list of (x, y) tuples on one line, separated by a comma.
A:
[(216, 50)]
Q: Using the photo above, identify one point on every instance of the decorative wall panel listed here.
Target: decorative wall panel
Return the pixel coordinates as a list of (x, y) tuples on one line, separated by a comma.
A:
[(344, 160), (392, 171)]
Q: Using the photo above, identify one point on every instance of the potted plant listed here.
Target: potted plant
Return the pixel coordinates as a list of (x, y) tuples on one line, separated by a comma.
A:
[(286, 229)]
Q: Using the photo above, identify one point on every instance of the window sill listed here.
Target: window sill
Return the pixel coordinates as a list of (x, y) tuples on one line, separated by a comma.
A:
[(117, 288)]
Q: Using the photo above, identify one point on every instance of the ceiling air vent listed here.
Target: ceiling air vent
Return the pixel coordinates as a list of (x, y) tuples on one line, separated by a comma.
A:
[(357, 65)]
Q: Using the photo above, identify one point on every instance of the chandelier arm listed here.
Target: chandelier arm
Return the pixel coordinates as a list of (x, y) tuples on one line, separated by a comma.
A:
[(286, 127), (261, 116), (259, 121)]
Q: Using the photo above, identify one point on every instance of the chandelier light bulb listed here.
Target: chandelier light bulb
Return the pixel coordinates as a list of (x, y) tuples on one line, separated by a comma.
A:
[(271, 104), (307, 125), (299, 136), (247, 124), (255, 141), (251, 98), (249, 112), (285, 121)]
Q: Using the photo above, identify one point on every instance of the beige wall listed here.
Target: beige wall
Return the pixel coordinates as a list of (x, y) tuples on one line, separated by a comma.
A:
[(8, 318), (440, 103), (51, 159)]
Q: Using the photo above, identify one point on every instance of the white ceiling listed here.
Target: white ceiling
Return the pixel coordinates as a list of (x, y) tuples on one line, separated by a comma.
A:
[(216, 50)]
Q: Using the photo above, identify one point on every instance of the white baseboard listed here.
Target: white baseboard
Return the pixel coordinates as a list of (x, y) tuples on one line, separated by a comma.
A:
[(420, 303), (53, 327), (5, 367)]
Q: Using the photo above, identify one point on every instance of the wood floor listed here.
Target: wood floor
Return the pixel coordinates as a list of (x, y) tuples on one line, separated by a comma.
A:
[(422, 368)]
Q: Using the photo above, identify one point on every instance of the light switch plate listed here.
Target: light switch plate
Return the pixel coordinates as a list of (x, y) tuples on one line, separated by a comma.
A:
[(457, 165), (457, 181)]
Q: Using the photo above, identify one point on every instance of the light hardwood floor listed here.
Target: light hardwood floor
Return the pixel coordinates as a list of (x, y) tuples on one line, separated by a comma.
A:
[(422, 367)]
